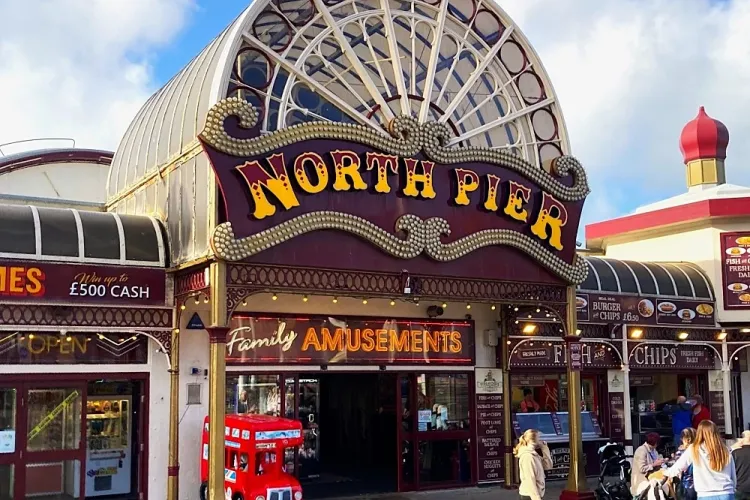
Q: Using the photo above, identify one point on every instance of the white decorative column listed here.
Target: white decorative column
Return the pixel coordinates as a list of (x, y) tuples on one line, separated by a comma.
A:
[(626, 392), (727, 372)]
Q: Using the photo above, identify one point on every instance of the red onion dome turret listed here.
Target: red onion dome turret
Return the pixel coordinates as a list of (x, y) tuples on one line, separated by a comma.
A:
[(704, 138)]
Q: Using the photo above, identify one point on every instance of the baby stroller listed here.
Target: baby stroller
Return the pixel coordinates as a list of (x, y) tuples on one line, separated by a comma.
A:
[(614, 475)]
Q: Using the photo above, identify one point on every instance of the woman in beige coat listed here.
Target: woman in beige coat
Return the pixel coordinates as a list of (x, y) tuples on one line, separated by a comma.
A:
[(533, 459), (645, 461)]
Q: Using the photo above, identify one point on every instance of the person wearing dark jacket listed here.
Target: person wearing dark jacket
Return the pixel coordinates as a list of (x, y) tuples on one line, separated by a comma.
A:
[(742, 466), (682, 416)]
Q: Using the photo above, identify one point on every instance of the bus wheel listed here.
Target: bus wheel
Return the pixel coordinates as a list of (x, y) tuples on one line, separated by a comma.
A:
[(204, 491), (237, 496)]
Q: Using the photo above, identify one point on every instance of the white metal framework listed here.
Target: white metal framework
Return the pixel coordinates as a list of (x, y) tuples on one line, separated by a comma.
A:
[(461, 62)]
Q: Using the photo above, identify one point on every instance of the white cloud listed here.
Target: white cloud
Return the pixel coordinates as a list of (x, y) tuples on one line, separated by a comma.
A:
[(630, 74), (80, 68)]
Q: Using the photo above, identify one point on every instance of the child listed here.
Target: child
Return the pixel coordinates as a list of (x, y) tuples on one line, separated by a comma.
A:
[(686, 488)]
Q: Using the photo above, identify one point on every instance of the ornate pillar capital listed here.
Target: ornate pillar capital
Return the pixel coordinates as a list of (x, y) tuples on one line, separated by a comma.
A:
[(217, 334)]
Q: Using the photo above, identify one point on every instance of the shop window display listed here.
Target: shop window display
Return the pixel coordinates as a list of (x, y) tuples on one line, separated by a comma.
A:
[(443, 402), (254, 395), (549, 393)]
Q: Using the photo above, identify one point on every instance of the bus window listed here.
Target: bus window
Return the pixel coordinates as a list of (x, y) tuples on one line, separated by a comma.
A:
[(243, 462), (232, 460)]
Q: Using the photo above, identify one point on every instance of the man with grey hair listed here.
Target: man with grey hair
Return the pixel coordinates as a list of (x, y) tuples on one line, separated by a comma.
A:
[(681, 418)]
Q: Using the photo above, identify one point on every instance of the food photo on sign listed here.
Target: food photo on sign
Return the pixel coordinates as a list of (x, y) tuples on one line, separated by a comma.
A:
[(635, 309), (736, 270)]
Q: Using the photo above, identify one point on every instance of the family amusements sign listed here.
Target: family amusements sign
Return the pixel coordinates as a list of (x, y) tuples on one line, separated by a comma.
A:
[(330, 340), (404, 196)]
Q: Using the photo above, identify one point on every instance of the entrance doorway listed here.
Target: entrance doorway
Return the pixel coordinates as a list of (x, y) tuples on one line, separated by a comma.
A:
[(71, 440), (369, 432), (350, 445)]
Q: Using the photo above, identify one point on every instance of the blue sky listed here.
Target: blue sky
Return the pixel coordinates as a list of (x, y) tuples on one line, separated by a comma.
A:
[(628, 73)]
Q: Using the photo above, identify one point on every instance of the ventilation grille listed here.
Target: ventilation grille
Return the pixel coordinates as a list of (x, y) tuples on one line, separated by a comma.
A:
[(194, 394)]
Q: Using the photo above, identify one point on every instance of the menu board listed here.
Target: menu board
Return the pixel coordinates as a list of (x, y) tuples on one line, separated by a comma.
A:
[(490, 449), (735, 270), (716, 408), (642, 310), (617, 415)]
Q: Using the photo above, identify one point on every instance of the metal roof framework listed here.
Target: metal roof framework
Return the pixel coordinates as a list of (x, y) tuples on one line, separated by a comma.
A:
[(663, 279)]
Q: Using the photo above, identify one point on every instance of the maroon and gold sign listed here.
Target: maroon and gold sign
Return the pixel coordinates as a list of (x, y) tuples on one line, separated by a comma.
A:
[(683, 356), (735, 270), (20, 348), (348, 194), (69, 283), (554, 354), (643, 310), (329, 340)]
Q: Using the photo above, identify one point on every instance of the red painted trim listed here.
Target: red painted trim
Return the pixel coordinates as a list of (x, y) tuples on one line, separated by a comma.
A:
[(35, 158), (727, 207)]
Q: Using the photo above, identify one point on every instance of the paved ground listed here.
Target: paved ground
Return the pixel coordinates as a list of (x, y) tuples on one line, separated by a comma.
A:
[(495, 493)]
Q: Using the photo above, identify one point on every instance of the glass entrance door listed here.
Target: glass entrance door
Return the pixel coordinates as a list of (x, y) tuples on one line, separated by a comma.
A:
[(10, 452), (52, 442), (435, 432)]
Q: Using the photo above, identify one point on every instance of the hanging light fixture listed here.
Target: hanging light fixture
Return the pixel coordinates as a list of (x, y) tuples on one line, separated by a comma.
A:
[(393, 302), (493, 307), (364, 301), (335, 300), (305, 298), (274, 297)]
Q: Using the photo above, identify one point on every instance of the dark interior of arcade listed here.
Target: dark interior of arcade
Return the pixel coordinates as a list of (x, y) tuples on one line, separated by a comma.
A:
[(372, 432)]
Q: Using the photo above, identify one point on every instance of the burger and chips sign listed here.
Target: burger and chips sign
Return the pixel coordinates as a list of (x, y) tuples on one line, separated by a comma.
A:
[(630, 309)]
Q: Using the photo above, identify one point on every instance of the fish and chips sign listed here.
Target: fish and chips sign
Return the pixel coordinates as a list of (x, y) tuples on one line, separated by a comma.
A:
[(388, 197)]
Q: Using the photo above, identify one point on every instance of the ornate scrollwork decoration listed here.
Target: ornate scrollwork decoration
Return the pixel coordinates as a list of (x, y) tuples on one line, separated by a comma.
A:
[(422, 236), (407, 138)]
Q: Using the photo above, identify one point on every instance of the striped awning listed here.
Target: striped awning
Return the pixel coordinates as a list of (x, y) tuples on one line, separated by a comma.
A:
[(667, 279), (69, 235)]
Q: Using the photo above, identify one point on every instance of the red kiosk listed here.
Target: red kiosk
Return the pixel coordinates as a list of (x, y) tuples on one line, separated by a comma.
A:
[(254, 448)]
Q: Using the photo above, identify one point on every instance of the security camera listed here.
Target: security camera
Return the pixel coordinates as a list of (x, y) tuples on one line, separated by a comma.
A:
[(468, 317), (434, 311)]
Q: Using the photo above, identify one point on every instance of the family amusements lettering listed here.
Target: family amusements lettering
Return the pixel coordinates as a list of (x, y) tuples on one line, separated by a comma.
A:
[(351, 340), (333, 340), (346, 172)]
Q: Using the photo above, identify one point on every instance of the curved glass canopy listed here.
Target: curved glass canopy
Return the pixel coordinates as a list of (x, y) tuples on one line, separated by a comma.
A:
[(461, 62)]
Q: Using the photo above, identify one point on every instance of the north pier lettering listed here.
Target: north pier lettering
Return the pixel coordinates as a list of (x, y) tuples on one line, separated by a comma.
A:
[(277, 182)]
